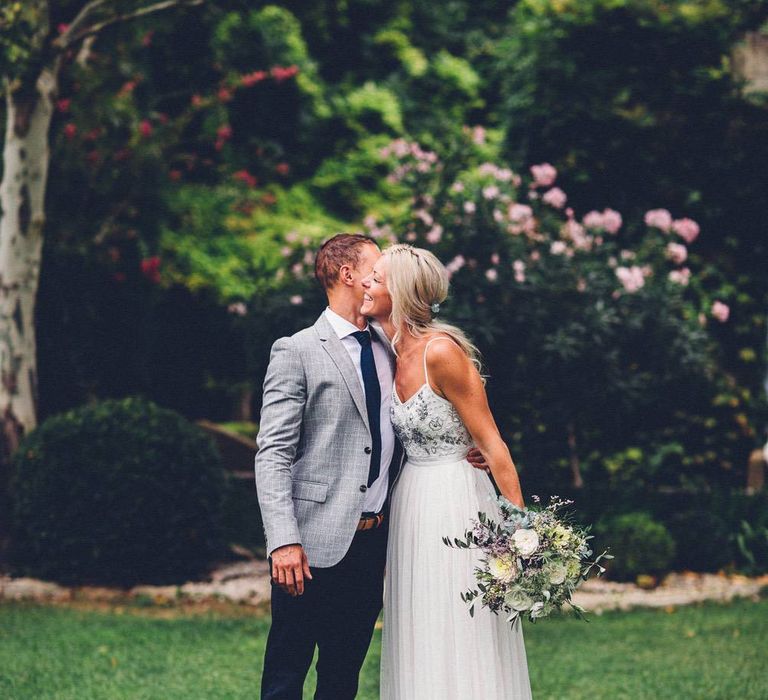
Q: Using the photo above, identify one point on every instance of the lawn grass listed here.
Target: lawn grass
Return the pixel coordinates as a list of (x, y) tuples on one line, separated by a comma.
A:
[(710, 651)]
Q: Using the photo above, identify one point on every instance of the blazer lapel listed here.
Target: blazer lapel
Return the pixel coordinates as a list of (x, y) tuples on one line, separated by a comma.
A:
[(338, 353)]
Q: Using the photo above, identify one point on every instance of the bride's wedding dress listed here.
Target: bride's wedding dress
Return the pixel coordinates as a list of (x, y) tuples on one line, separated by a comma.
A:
[(432, 649)]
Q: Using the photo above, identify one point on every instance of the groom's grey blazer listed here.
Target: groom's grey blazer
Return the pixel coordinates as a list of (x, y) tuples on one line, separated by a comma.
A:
[(314, 445)]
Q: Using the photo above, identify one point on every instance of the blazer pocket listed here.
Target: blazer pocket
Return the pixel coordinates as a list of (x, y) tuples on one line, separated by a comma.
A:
[(309, 490)]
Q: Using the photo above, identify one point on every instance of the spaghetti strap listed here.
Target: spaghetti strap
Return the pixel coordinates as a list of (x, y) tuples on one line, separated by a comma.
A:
[(426, 347)]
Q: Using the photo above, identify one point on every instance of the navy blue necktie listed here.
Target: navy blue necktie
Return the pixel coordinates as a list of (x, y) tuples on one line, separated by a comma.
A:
[(372, 400)]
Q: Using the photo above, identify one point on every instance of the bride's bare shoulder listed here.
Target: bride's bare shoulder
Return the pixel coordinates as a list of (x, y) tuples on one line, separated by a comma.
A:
[(444, 356)]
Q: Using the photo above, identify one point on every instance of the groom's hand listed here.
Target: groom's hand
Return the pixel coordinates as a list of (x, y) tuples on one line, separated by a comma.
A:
[(290, 567), (476, 459)]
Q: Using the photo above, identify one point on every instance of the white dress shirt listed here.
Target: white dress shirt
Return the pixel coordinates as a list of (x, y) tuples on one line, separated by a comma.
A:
[(377, 491)]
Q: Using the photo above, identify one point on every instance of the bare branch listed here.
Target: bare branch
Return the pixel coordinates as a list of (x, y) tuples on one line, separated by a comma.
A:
[(65, 39), (68, 39)]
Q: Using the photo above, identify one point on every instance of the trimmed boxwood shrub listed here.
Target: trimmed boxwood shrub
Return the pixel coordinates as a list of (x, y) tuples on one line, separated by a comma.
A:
[(119, 492), (640, 545)]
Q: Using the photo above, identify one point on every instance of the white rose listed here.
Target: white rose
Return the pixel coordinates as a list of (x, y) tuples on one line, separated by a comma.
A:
[(502, 568), (537, 610), (518, 600), (557, 572), (526, 541)]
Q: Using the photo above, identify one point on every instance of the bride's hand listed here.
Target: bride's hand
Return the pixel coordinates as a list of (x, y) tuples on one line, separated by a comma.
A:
[(476, 459)]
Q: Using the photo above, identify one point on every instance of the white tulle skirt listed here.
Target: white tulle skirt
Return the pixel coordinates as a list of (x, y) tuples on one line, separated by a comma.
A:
[(431, 648)]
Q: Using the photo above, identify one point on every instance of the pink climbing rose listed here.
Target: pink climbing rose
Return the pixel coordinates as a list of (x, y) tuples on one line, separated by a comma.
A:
[(555, 198), (687, 229), (677, 253), (659, 218), (544, 174), (720, 311), (631, 278)]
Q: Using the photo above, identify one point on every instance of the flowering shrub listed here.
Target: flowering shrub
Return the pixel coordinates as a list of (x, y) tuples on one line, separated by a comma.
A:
[(593, 328)]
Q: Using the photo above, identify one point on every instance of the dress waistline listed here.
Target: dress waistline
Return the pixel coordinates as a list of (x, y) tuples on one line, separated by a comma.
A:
[(433, 460)]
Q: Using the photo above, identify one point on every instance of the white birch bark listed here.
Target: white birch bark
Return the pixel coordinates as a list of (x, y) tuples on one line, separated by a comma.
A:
[(26, 156)]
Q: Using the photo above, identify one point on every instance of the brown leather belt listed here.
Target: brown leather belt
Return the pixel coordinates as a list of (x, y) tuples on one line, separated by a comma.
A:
[(370, 522)]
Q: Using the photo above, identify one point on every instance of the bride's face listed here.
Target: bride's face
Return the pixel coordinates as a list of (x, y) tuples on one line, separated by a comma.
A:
[(377, 303)]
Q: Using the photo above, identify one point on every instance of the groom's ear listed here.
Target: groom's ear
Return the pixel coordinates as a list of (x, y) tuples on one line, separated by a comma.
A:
[(345, 275)]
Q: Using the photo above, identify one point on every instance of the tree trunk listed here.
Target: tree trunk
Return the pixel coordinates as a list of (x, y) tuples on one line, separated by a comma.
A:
[(22, 217), (573, 457)]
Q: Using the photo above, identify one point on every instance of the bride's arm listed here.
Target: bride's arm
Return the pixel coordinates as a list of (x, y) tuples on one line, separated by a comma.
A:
[(455, 376)]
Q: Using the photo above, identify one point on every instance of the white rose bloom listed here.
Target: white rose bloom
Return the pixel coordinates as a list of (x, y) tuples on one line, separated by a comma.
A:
[(526, 541), (518, 600), (502, 568)]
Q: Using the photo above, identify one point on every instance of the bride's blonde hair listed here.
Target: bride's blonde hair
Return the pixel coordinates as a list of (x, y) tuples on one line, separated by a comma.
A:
[(416, 281)]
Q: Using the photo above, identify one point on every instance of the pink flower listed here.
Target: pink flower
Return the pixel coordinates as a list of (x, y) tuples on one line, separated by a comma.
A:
[(146, 40), (490, 192), (435, 234), (457, 187), (238, 308), (677, 253), (282, 169), (581, 285), (410, 236), (492, 274), (456, 264), (63, 104), (250, 79), (62, 28), (543, 175), (612, 221), (495, 259), (224, 94), (659, 218), (555, 198), (628, 255), (478, 135), (145, 128), (681, 277), (720, 311), (557, 247), (519, 267), (197, 100), (520, 212), (632, 278), (280, 74), (246, 177), (593, 219), (469, 207), (70, 130), (224, 132), (296, 299), (425, 217), (687, 229)]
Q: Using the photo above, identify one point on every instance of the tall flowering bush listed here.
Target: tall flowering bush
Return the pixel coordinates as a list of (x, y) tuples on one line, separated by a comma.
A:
[(594, 329)]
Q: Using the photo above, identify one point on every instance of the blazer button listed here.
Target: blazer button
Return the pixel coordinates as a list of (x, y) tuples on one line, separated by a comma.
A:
[(367, 450), (363, 488)]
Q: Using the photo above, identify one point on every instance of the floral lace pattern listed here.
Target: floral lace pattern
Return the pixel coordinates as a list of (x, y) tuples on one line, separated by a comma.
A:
[(428, 425)]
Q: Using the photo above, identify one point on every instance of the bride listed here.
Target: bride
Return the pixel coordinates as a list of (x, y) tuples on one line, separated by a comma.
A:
[(432, 649)]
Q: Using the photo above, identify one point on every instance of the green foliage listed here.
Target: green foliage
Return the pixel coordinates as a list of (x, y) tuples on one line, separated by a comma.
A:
[(372, 109), (752, 544), (457, 73), (639, 543), (119, 492), (412, 59), (703, 540)]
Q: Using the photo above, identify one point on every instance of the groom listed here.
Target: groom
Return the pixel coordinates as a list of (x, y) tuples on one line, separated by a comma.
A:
[(327, 460)]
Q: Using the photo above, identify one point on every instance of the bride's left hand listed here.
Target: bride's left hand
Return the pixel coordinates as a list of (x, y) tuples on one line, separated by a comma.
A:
[(476, 459)]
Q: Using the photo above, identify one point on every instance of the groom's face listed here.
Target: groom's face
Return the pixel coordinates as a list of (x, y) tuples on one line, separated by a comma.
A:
[(369, 255)]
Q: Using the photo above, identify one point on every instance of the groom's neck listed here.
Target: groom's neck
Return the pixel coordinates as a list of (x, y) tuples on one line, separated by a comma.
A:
[(348, 308)]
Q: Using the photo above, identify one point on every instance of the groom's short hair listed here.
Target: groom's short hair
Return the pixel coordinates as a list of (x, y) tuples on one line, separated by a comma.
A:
[(342, 249)]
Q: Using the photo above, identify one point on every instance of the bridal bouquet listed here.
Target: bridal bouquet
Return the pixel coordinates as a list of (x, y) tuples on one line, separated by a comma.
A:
[(533, 562)]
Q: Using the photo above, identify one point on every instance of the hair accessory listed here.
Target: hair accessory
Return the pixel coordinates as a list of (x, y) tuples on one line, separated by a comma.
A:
[(435, 307)]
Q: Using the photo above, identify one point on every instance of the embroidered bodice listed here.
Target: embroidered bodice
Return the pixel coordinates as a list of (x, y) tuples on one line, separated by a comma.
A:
[(427, 424)]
